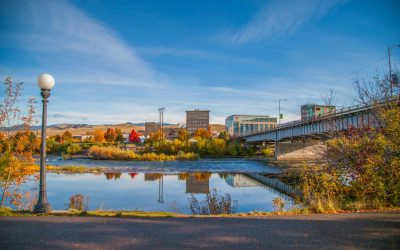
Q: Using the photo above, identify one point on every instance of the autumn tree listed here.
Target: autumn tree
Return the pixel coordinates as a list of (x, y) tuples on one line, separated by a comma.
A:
[(202, 133), (110, 135), (67, 136), (224, 135), (58, 138), (17, 146), (98, 136), (134, 136), (183, 135), (120, 137)]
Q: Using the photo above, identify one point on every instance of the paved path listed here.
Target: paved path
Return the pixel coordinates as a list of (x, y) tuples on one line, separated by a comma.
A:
[(337, 231)]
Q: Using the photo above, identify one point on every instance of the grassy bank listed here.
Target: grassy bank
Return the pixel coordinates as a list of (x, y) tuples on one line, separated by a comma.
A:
[(160, 214), (32, 169), (75, 169), (113, 153)]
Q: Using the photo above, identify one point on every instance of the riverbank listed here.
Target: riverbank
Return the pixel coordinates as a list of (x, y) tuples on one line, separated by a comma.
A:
[(162, 214), (319, 231)]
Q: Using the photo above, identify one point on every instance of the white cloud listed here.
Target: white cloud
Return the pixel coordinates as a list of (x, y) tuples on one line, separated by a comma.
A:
[(279, 18), (66, 39)]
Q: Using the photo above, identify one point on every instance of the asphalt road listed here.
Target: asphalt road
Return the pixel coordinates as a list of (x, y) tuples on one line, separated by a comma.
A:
[(330, 231)]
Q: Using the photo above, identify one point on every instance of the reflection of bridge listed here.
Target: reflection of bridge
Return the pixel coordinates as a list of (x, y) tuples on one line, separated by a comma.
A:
[(338, 120), (273, 184), (252, 180)]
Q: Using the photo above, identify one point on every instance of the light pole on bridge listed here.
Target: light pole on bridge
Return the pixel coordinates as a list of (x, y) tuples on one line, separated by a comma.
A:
[(279, 107), (394, 77)]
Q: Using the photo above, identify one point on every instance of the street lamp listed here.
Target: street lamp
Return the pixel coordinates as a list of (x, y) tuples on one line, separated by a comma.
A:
[(390, 67), (279, 116), (46, 83)]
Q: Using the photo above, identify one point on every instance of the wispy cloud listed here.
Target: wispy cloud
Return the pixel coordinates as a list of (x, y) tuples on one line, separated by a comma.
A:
[(68, 40), (279, 18)]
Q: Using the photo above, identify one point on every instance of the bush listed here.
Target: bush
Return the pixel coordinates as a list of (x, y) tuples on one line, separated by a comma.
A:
[(362, 171), (73, 149), (78, 202), (267, 152), (213, 204), (112, 153)]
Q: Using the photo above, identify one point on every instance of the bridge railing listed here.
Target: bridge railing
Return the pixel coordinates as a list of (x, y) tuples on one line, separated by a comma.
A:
[(330, 114)]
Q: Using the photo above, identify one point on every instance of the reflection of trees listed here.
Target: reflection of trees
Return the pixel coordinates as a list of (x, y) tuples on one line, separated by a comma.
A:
[(152, 176), (133, 175), (183, 176), (114, 176), (202, 176), (198, 176)]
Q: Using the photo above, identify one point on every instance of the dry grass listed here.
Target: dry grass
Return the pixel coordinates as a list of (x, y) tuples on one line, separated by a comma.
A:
[(113, 153)]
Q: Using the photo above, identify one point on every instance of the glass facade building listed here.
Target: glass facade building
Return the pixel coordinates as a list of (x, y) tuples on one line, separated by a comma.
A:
[(238, 125)]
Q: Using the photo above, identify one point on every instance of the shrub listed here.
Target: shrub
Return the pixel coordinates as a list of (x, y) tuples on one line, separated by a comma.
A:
[(278, 203), (73, 149), (267, 152), (214, 203), (112, 153), (78, 202)]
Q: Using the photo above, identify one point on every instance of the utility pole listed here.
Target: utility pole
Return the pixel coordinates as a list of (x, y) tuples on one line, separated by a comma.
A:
[(161, 110), (161, 189)]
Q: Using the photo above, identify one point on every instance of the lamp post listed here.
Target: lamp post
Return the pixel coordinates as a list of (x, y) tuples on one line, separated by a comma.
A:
[(279, 107), (46, 83), (390, 67)]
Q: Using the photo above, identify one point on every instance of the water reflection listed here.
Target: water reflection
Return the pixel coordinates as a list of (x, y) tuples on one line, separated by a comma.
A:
[(172, 191)]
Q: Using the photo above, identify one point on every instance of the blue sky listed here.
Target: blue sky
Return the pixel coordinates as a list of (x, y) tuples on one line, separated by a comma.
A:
[(119, 61)]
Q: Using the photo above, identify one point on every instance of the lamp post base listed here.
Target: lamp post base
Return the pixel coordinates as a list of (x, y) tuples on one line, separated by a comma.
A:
[(42, 208)]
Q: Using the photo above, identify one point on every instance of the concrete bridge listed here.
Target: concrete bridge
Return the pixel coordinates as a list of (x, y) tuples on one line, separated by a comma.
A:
[(313, 128)]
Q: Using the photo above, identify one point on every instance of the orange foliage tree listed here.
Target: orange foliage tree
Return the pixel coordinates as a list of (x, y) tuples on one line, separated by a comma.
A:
[(98, 136), (203, 133)]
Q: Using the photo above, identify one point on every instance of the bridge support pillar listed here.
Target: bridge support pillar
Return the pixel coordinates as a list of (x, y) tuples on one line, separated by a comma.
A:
[(300, 151)]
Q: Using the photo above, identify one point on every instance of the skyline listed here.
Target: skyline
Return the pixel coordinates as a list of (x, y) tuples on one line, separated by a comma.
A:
[(121, 66)]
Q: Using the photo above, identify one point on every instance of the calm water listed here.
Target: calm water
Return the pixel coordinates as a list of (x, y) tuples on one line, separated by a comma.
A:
[(203, 165), (167, 186)]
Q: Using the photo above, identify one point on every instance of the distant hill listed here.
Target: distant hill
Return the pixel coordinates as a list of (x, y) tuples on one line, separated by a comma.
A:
[(82, 129)]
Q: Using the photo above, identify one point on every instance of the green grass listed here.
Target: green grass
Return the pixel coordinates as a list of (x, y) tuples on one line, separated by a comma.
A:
[(75, 169), (96, 213), (159, 214)]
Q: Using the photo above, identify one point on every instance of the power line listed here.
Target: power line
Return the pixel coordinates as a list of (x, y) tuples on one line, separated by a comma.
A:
[(363, 68)]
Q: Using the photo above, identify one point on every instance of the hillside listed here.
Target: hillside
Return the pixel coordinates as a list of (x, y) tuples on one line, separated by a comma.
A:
[(82, 129)]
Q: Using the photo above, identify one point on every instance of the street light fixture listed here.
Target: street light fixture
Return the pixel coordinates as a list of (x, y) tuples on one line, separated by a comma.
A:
[(279, 115), (390, 67), (46, 83)]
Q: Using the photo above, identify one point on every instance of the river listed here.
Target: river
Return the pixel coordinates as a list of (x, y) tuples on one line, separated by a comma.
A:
[(166, 186)]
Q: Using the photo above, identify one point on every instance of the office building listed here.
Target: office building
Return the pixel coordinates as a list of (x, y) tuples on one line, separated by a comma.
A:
[(310, 111), (197, 119), (172, 133), (196, 185), (150, 127), (238, 125)]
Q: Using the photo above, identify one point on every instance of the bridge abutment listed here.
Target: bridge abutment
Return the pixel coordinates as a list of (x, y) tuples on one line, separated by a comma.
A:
[(300, 151)]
